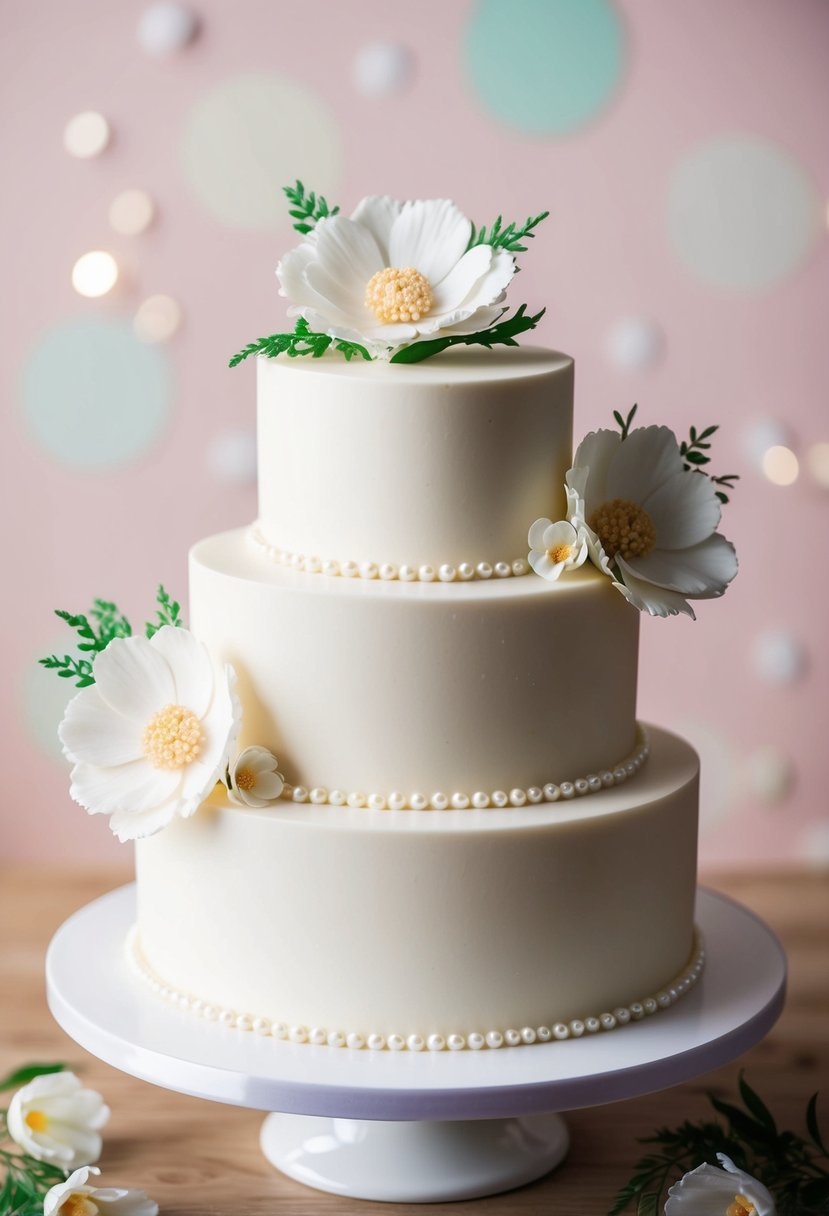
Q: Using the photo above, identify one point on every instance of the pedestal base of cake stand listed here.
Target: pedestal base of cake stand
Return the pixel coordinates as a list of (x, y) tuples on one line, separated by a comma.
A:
[(403, 1126)]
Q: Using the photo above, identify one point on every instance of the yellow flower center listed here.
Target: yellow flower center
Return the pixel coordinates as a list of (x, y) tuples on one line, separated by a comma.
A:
[(560, 553), (78, 1205), (37, 1121), (173, 737), (740, 1207), (398, 295), (245, 779), (624, 528)]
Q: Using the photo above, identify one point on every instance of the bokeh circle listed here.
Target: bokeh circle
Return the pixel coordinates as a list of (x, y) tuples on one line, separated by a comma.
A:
[(251, 135), (546, 67), (742, 213), (93, 395)]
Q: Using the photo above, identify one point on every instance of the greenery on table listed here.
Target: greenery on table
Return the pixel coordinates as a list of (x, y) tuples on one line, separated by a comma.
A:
[(794, 1168)]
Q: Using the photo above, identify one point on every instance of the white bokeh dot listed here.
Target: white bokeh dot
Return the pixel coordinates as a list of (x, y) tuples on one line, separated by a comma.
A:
[(94, 274), (760, 435), (742, 213), (166, 27), (158, 318), (231, 457), (248, 137), (634, 344), (813, 844), (381, 69), (817, 460), (780, 466), (86, 135), (131, 212), (769, 774), (779, 657)]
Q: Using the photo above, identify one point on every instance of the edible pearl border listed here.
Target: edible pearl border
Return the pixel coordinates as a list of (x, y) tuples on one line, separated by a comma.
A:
[(593, 783), (472, 1040), (389, 571)]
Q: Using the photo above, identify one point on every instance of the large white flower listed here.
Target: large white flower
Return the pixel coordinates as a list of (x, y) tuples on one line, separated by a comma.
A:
[(75, 1197), (650, 523), (253, 778), (150, 739), (395, 273), (708, 1191), (54, 1118), (555, 547)]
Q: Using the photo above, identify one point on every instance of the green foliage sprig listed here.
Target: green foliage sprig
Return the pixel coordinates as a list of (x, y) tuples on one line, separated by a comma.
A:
[(502, 334), (26, 1180), (109, 623), (306, 209), (509, 237), (693, 449), (624, 423), (789, 1165), (303, 341)]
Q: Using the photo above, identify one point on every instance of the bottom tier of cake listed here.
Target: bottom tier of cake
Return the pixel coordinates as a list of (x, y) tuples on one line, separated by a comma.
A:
[(338, 925)]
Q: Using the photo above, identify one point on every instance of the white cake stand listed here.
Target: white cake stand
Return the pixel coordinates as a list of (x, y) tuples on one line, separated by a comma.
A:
[(407, 1127)]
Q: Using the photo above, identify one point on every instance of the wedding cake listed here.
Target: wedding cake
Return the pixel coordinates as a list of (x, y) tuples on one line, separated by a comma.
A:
[(468, 840)]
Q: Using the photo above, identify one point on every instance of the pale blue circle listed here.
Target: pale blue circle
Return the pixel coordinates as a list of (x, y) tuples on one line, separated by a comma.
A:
[(545, 66), (95, 396)]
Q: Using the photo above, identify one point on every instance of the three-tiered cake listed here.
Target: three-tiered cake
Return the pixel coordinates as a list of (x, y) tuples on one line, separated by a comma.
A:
[(472, 843)]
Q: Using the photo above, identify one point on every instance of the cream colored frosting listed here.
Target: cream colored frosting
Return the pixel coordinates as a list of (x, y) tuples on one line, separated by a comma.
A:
[(393, 922), (375, 687), (447, 461)]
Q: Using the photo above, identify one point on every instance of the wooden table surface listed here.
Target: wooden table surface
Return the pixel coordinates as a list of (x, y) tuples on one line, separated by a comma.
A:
[(197, 1158)]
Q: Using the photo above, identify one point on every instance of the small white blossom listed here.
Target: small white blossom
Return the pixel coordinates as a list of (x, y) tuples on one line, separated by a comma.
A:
[(555, 547), (709, 1191), (650, 523), (151, 738), (55, 1119), (75, 1197), (253, 778), (395, 273)]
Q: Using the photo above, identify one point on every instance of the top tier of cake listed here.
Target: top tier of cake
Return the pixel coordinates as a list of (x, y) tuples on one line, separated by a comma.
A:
[(443, 462)]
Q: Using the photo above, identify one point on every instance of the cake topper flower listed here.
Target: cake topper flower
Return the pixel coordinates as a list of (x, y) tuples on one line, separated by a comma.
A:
[(253, 778), (649, 515), (151, 730), (555, 547), (395, 280)]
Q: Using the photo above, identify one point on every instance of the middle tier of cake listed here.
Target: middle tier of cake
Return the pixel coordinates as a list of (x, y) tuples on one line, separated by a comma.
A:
[(376, 687)]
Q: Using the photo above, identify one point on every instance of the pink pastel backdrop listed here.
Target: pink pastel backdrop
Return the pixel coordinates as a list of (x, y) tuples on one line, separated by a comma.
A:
[(694, 71)]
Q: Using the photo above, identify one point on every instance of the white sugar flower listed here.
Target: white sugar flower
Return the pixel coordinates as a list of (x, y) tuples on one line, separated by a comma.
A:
[(150, 739), (649, 522), (555, 547), (253, 779), (395, 273), (75, 1197), (709, 1191), (55, 1119)]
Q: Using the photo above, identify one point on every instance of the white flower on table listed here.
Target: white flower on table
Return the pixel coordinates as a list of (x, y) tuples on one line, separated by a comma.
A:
[(395, 273), (253, 778), (75, 1197), (555, 547), (709, 1191), (53, 1118), (650, 523), (151, 738)]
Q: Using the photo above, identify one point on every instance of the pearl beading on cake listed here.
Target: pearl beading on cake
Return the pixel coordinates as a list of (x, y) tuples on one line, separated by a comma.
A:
[(463, 572), (474, 1040), (480, 800)]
